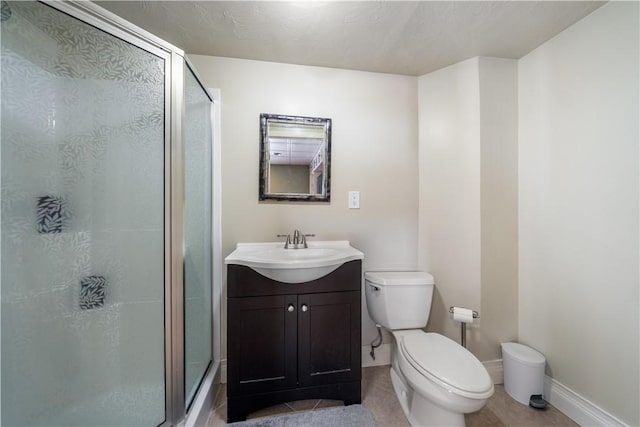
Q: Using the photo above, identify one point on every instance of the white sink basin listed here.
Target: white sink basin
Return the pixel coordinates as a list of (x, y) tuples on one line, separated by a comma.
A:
[(294, 265)]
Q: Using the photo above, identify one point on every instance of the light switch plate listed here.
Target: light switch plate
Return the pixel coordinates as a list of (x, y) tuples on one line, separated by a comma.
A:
[(354, 200)]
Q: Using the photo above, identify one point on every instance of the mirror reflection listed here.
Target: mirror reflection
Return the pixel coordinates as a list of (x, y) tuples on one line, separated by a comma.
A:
[(294, 158)]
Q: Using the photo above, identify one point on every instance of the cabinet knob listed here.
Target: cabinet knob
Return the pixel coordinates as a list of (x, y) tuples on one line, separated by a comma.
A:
[(305, 308), (290, 308)]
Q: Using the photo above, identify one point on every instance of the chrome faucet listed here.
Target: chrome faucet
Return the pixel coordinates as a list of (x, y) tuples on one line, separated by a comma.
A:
[(299, 240)]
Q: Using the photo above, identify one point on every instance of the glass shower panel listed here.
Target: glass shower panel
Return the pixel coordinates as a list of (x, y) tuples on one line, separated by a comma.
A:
[(197, 235), (82, 224)]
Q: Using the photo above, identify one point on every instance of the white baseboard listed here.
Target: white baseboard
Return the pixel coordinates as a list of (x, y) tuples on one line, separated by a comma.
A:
[(223, 371), (576, 407), (494, 368), (570, 403), (383, 356)]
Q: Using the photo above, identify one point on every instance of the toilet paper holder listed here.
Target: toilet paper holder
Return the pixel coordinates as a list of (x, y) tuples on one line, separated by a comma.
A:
[(475, 313), (463, 327)]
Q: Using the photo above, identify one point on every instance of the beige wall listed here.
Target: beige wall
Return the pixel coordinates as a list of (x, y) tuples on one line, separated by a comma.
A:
[(498, 204), (449, 191), (468, 198), (578, 186), (374, 151)]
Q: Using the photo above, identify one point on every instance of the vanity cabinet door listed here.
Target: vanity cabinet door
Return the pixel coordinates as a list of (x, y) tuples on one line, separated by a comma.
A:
[(329, 343), (262, 344)]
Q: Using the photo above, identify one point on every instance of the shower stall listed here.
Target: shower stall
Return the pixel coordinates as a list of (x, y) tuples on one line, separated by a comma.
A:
[(109, 294)]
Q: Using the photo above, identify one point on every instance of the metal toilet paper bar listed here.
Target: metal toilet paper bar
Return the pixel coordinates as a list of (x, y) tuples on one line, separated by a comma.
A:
[(463, 321)]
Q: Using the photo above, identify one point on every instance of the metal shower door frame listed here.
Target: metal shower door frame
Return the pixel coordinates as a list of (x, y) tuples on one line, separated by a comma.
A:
[(174, 194)]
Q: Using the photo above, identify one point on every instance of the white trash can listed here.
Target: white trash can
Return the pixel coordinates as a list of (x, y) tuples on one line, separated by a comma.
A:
[(523, 371)]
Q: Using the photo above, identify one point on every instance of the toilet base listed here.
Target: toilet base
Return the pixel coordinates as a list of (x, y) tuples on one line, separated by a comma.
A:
[(421, 412)]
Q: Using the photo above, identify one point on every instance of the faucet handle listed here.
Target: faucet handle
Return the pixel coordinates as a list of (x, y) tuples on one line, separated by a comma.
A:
[(303, 242)]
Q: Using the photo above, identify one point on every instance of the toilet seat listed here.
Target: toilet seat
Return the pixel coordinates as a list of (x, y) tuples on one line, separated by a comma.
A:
[(447, 364)]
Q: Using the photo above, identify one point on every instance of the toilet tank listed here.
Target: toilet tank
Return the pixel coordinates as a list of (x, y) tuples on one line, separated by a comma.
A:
[(399, 299)]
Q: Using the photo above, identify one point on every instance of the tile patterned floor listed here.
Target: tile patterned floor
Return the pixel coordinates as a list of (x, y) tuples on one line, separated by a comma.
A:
[(378, 396)]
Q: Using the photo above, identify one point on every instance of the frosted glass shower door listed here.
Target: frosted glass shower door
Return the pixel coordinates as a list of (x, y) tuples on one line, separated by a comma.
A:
[(82, 224), (197, 234)]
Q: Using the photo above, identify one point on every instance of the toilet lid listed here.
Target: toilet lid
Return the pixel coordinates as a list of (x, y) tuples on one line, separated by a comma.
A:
[(446, 361)]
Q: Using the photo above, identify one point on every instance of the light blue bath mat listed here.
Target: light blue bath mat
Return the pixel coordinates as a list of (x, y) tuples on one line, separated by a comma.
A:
[(343, 416)]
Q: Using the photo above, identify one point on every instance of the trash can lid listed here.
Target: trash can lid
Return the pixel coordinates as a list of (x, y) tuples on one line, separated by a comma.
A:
[(522, 353)]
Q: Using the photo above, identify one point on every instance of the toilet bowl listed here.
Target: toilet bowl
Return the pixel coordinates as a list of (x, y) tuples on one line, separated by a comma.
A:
[(447, 381), (436, 380)]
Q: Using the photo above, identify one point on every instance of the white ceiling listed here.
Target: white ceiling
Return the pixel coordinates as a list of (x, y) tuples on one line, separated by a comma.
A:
[(293, 151), (293, 143), (400, 37)]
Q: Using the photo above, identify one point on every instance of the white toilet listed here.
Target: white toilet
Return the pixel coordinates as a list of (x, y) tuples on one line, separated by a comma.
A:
[(436, 380)]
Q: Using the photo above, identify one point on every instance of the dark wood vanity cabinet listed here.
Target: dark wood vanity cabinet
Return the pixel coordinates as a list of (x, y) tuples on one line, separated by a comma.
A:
[(290, 342)]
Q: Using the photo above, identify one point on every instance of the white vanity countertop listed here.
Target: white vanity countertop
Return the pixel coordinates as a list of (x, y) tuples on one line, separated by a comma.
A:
[(294, 265)]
